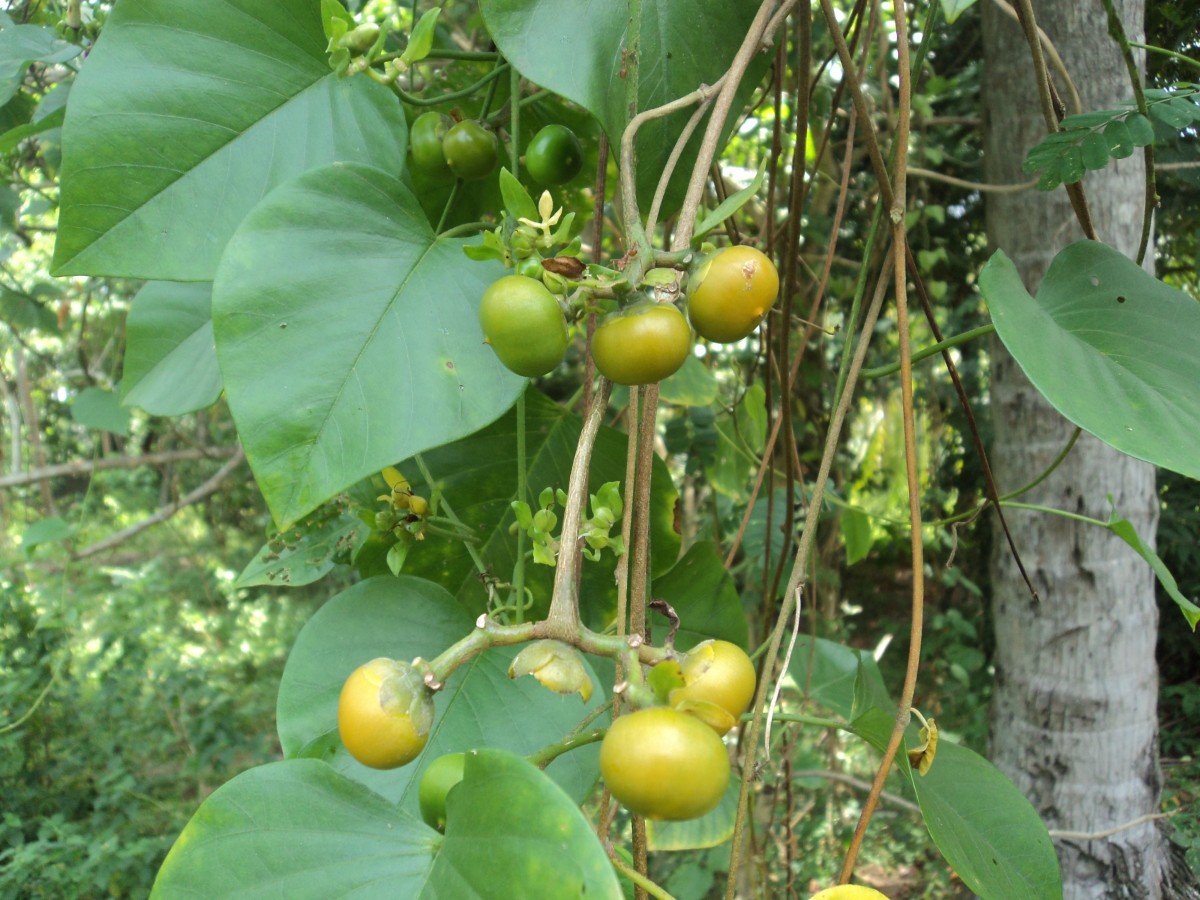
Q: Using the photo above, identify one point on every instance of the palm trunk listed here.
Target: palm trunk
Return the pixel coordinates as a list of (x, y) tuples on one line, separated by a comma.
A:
[(1074, 720)]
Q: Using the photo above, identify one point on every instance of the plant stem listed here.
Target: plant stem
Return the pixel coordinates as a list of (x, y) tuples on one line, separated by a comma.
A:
[(931, 350), (799, 567), (514, 123), (639, 577), (1163, 51), (899, 245), (548, 754), (413, 100), (639, 880), (480, 565), (563, 618), (762, 24), (522, 497), (1116, 30)]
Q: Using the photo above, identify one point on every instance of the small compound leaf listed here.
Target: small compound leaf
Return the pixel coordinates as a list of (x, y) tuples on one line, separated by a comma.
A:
[(1119, 139), (21, 45), (50, 530), (348, 335), (1090, 120), (1141, 129), (1070, 165), (856, 535), (730, 205), (1113, 349), (506, 809), (332, 12), (952, 9), (692, 385), (26, 312), (297, 829), (480, 468), (170, 356), (840, 678), (14, 136), (421, 40), (1094, 151), (1176, 113)]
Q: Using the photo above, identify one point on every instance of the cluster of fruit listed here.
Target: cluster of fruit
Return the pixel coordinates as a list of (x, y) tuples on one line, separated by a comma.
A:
[(729, 293), (664, 762), (467, 150), (669, 762)]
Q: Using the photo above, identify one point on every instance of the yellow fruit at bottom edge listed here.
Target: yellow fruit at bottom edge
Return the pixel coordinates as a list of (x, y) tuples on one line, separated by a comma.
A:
[(849, 892)]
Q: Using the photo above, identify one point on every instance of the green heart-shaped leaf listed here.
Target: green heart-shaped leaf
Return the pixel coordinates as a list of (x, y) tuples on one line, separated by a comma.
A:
[(348, 335), (1112, 348), (170, 358), (297, 829), (186, 114)]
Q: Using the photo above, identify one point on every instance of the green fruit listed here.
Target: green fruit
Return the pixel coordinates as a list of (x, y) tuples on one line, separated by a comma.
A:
[(663, 764), (642, 344), (554, 156), (441, 776), (471, 151), (524, 325), (425, 143)]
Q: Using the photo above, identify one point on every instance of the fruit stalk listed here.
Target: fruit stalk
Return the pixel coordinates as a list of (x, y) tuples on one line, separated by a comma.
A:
[(562, 622)]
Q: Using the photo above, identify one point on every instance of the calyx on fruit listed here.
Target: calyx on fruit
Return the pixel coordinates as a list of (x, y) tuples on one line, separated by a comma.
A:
[(556, 665)]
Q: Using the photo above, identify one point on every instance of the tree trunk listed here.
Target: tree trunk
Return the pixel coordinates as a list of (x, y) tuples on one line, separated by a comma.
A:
[(1074, 719)]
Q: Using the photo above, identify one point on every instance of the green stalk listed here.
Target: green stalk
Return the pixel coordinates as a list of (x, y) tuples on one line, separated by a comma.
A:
[(522, 496), (931, 350)]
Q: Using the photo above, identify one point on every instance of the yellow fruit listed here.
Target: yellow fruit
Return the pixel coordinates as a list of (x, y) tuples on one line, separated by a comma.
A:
[(849, 892)]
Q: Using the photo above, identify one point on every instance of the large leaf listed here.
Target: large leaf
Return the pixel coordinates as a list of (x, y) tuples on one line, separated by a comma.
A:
[(480, 706), (838, 677), (101, 410), (186, 114), (986, 829), (983, 826), (478, 476), (704, 597), (22, 44), (348, 335), (512, 832), (170, 358), (683, 44), (297, 829), (1115, 351)]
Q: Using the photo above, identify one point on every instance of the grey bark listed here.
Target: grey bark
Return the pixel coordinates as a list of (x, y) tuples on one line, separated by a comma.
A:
[(1074, 717)]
